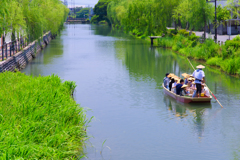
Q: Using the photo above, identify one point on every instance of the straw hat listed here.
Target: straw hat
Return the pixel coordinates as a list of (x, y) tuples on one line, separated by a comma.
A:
[(190, 79), (200, 66), (184, 86), (170, 75), (185, 75)]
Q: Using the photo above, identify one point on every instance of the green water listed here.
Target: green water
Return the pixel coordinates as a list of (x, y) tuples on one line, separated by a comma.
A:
[(119, 78)]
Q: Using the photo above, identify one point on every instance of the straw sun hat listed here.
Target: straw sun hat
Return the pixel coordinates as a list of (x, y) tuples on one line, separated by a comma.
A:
[(170, 75), (185, 75), (200, 66), (184, 86)]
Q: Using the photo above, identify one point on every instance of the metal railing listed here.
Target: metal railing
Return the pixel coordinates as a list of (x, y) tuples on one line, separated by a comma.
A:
[(11, 48)]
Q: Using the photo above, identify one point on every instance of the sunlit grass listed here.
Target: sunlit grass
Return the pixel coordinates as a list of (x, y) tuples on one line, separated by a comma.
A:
[(39, 119)]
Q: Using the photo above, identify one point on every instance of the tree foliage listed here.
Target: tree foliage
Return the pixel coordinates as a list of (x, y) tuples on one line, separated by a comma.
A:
[(31, 18), (83, 13), (141, 17), (193, 13), (223, 14), (100, 11)]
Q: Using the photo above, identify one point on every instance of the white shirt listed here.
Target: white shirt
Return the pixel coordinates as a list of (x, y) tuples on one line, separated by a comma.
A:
[(206, 91), (174, 84)]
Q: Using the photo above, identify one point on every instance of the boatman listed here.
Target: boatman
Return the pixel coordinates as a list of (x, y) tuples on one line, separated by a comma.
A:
[(166, 81), (199, 76)]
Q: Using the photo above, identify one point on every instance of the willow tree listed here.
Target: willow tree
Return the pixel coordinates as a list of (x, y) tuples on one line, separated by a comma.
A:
[(194, 13), (3, 13), (15, 18), (140, 17), (32, 18)]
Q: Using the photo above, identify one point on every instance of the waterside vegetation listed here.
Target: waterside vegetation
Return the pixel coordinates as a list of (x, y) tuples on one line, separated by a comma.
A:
[(39, 119), (143, 18), (225, 56), (31, 18)]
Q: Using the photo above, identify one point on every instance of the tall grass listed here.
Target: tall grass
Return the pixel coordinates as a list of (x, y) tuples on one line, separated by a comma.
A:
[(39, 119), (227, 56)]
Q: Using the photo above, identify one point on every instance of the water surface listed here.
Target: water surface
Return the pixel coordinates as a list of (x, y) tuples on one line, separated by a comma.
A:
[(119, 78)]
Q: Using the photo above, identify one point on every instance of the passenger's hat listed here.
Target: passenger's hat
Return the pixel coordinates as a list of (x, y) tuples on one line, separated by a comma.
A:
[(184, 86), (170, 75), (200, 66), (185, 75)]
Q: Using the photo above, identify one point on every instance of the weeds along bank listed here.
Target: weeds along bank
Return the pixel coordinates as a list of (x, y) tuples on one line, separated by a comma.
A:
[(226, 56), (39, 119)]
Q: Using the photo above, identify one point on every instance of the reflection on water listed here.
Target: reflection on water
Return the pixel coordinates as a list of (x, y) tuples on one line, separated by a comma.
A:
[(120, 79), (195, 111)]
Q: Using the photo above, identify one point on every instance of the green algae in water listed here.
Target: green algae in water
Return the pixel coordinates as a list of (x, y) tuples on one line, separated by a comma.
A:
[(39, 119)]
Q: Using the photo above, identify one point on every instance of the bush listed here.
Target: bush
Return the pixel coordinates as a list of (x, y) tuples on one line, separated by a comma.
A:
[(231, 43), (215, 61), (184, 32), (171, 32)]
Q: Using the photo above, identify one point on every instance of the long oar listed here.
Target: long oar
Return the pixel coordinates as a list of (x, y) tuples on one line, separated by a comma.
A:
[(207, 87)]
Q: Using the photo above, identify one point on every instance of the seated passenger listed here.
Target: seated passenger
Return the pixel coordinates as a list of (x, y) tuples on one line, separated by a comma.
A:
[(174, 85), (171, 83), (205, 90), (184, 91), (166, 81), (179, 87)]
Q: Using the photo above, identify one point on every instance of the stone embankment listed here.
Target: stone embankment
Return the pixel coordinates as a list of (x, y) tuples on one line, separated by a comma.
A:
[(22, 58)]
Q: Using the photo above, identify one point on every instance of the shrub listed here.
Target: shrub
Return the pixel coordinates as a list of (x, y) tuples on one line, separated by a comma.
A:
[(237, 38), (184, 32), (171, 32), (214, 61), (234, 44)]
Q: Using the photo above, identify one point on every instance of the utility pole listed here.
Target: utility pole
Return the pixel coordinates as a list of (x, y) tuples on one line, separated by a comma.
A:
[(215, 25), (215, 21)]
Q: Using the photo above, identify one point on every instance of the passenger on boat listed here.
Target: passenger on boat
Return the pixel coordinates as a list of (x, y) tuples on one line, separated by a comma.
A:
[(199, 76), (174, 85), (205, 90), (166, 81), (179, 87), (184, 91), (171, 83)]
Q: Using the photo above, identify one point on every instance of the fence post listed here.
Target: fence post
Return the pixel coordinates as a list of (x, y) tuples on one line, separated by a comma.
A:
[(10, 49), (3, 52), (6, 50)]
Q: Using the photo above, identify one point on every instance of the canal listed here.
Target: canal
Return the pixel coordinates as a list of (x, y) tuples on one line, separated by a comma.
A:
[(119, 81)]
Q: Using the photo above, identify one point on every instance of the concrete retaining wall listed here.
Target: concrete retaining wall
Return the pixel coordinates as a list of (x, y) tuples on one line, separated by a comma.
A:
[(22, 58)]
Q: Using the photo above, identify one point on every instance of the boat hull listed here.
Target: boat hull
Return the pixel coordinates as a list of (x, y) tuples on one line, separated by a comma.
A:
[(184, 99)]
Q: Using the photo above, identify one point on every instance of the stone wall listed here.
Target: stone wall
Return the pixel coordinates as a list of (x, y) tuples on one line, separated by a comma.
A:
[(22, 58)]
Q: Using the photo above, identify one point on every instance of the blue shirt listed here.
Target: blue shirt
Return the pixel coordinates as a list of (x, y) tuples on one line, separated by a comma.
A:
[(166, 82), (198, 75), (178, 89)]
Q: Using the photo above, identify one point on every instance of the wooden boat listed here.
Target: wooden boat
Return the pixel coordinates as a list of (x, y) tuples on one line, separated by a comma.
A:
[(185, 99)]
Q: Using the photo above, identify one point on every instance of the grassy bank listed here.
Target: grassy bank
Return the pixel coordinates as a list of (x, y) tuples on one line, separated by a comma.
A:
[(39, 119), (226, 57)]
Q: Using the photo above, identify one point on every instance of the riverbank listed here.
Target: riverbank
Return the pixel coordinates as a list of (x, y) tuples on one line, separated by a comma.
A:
[(23, 57), (39, 118), (226, 56)]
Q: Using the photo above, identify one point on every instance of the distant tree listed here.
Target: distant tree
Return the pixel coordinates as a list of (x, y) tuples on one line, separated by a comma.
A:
[(100, 11), (83, 13)]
